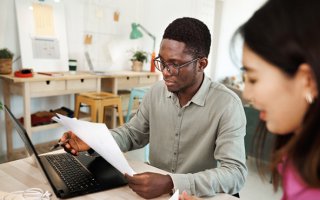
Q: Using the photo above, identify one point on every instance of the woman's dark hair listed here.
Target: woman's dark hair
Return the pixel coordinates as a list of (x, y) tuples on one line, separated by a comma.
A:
[(193, 32), (286, 33)]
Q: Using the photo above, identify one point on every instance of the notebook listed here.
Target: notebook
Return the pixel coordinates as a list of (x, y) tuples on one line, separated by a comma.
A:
[(71, 176), (91, 65)]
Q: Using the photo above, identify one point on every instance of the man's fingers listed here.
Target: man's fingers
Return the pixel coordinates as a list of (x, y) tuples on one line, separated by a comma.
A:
[(137, 179), (66, 136)]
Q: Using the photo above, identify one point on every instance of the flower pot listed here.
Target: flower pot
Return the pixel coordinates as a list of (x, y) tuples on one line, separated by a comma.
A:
[(5, 66), (137, 66)]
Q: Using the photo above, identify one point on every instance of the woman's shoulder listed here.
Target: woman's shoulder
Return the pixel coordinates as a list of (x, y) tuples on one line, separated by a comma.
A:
[(293, 185)]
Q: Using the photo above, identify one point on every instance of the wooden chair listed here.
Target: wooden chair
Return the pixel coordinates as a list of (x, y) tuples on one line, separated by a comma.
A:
[(97, 102)]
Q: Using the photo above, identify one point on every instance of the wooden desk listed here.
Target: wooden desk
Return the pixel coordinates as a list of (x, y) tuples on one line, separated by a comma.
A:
[(22, 174), (45, 86)]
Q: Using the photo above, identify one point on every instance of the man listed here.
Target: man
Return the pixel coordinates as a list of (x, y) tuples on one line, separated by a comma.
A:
[(195, 127)]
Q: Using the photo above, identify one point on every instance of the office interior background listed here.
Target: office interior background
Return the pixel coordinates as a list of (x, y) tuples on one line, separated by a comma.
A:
[(111, 45)]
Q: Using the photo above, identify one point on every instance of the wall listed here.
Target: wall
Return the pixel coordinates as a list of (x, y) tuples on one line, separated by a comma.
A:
[(110, 50), (234, 13)]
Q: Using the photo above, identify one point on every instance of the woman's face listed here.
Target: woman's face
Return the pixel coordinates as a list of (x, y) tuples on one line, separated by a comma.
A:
[(278, 97)]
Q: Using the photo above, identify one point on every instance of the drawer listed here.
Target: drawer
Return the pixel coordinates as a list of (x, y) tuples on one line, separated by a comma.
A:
[(47, 86), (127, 82), (148, 79), (82, 84)]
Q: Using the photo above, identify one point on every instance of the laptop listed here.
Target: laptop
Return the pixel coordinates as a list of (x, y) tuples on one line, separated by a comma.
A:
[(71, 176), (88, 58)]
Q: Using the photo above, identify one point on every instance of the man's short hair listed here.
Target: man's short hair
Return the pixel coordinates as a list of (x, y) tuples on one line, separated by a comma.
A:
[(193, 32)]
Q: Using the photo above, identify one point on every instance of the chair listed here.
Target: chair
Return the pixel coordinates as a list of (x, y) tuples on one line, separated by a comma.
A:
[(137, 93), (252, 116), (97, 102)]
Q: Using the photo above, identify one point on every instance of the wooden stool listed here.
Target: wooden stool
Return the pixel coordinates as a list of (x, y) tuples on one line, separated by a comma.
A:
[(97, 101)]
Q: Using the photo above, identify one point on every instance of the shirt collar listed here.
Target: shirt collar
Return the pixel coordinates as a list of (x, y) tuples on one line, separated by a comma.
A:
[(200, 97)]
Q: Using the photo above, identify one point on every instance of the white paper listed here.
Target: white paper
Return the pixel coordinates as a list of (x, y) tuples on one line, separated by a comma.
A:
[(98, 137), (175, 196)]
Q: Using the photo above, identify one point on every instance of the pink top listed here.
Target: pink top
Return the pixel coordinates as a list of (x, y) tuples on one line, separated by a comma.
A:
[(294, 187)]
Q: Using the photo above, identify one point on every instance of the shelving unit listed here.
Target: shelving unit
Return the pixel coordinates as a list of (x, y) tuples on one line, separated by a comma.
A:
[(67, 84)]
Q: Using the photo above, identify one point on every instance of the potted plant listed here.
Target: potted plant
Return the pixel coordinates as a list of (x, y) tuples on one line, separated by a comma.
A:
[(138, 58), (5, 61)]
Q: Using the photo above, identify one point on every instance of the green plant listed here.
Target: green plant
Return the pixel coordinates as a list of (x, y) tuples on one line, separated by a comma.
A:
[(5, 54), (141, 56)]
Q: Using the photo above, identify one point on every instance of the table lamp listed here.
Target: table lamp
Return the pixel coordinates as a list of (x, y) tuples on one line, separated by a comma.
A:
[(136, 33)]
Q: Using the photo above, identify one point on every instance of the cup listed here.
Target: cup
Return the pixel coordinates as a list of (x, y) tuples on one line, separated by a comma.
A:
[(72, 66)]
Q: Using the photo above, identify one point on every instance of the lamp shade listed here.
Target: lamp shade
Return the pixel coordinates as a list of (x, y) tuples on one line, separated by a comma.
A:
[(135, 33)]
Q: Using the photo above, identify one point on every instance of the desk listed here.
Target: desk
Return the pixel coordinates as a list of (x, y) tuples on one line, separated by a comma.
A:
[(66, 84), (21, 175)]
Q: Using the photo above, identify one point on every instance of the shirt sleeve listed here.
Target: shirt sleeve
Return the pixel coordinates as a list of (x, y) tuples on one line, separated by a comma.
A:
[(230, 174)]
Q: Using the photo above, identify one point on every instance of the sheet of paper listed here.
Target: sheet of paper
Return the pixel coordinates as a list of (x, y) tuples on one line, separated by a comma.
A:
[(98, 137), (175, 196)]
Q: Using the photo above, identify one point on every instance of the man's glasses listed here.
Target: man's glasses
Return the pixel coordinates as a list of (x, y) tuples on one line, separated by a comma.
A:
[(173, 69)]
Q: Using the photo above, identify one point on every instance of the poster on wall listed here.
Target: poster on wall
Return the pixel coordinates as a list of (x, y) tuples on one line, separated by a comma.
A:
[(42, 35)]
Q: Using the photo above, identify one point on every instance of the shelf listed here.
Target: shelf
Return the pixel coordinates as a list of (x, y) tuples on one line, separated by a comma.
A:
[(54, 125)]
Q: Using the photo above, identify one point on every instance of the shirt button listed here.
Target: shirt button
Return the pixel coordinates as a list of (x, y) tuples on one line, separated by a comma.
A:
[(177, 134), (179, 114), (172, 170), (175, 153)]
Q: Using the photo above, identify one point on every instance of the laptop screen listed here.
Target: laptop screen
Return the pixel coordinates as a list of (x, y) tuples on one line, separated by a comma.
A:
[(22, 132), (28, 144), (89, 61)]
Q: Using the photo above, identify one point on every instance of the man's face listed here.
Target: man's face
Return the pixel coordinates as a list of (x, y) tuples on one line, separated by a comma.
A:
[(174, 52)]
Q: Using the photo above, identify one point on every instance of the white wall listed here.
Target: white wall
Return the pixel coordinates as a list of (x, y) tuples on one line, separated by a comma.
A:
[(110, 51), (234, 13), (158, 14)]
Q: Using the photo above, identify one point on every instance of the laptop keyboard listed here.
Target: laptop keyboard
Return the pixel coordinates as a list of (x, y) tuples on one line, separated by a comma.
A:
[(75, 176)]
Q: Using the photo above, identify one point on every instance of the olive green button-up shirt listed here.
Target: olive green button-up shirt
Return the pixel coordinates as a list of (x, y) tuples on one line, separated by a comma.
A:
[(201, 144)]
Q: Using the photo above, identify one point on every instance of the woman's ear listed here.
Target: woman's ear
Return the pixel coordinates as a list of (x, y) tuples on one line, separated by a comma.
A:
[(203, 62), (305, 72)]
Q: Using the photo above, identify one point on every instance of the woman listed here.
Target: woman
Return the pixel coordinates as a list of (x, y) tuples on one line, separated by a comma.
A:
[(282, 75), (281, 59)]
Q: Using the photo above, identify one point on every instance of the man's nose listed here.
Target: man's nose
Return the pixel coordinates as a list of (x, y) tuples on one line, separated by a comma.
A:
[(166, 72)]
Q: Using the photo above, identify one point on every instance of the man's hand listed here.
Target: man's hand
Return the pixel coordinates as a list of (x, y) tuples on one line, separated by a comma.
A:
[(150, 185), (73, 144)]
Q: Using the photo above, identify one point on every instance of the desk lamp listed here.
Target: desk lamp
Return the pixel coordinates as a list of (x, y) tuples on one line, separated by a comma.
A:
[(136, 33)]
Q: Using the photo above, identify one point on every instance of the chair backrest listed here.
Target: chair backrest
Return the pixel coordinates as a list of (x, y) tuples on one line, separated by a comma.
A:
[(252, 116), (135, 93)]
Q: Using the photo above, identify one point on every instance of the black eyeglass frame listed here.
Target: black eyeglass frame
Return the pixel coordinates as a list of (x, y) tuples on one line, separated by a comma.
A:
[(172, 66)]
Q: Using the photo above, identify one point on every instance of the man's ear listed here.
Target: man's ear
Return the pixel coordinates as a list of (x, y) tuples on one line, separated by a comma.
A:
[(203, 62), (305, 72)]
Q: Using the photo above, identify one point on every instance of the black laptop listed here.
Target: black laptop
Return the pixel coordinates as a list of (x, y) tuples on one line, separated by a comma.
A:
[(71, 176)]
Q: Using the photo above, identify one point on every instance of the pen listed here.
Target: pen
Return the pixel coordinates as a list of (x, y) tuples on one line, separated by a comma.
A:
[(44, 73), (58, 144)]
